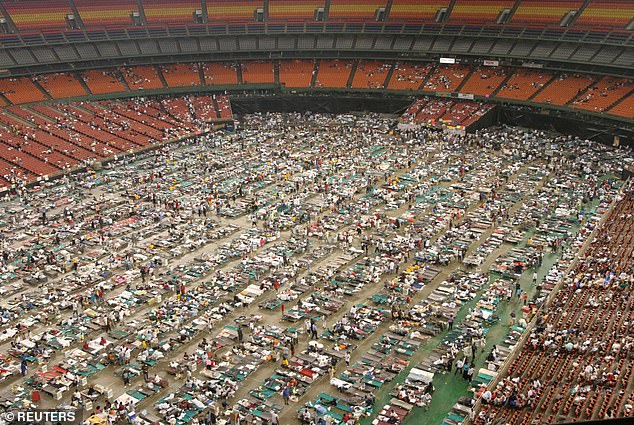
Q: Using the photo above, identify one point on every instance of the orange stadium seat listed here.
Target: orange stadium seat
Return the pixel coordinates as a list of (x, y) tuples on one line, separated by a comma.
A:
[(624, 109), (523, 84), (20, 90), (103, 81), (603, 94), (106, 13), (609, 13), (333, 74), (544, 12), (233, 10), (354, 9), (181, 75), (563, 89), (167, 11), (142, 77), (61, 85), (370, 75), (446, 78), (409, 75), (479, 11), (294, 10), (484, 81), (297, 73), (37, 15), (422, 10), (257, 72), (220, 73)]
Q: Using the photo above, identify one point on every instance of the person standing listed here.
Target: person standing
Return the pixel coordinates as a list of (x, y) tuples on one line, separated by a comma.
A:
[(275, 419), (459, 365), (470, 373), (347, 359), (240, 334), (286, 394), (23, 367)]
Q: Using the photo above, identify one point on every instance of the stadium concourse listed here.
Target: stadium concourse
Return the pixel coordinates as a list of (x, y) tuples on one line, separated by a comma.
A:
[(323, 269)]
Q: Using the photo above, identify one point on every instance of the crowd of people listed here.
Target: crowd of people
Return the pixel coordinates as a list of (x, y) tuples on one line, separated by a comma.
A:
[(158, 286)]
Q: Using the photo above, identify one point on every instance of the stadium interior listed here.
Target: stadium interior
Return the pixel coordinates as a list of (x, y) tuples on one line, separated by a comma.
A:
[(325, 212)]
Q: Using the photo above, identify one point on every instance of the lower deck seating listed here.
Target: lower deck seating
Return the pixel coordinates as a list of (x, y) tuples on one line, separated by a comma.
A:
[(576, 363), (40, 140)]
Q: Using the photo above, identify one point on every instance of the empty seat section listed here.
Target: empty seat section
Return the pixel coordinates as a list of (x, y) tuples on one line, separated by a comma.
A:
[(370, 75), (608, 13), (142, 78), (625, 108), (257, 72), (563, 89), (233, 10), (523, 84), (354, 9), (296, 73), (169, 11), (38, 15), (544, 12), (102, 82), (294, 10), (181, 75), (446, 78), (408, 76), (111, 13), (20, 90), (603, 94), (416, 10), (479, 11), (333, 73), (61, 85), (484, 81), (220, 73)]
